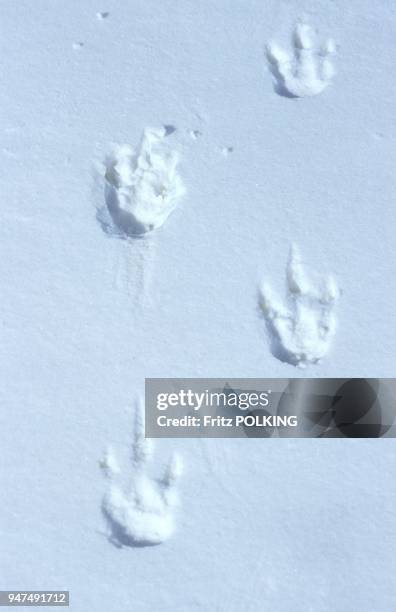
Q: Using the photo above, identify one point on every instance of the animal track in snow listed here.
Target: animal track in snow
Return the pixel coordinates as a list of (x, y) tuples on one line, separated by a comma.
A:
[(142, 187), (302, 333), (142, 515), (309, 71)]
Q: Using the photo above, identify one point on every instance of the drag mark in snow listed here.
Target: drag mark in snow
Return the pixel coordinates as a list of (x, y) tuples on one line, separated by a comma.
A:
[(301, 334), (133, 270), (142, 515), (306, 72), (142, 187)]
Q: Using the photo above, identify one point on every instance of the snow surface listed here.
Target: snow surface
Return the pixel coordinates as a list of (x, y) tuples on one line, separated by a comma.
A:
[(274, 525)]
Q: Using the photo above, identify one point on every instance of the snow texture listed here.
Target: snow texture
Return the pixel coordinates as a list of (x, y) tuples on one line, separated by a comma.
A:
[(301, 331)]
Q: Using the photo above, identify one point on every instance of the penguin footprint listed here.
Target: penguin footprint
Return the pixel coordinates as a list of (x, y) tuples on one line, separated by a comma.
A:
[(306, 72), (143, 513), (301, 331)]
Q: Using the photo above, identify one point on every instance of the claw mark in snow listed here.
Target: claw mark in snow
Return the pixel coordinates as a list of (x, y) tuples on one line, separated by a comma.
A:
[(144, 514), (302, 333), (309, 71), (142, 187)]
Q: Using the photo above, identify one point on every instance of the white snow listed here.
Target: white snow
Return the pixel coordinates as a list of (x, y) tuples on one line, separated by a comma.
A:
[(88, 310)]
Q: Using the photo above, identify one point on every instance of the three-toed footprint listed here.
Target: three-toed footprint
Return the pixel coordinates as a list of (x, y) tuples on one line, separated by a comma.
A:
[(301, 333), (305, 72), (142, 513)]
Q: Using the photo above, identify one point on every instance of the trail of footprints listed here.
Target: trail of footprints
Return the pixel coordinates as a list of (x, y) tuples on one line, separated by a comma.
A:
[(140, 512), (142, 188)]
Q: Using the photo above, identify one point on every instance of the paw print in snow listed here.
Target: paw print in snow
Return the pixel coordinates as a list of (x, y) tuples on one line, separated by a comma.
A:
[(302, 333), (143, 515), (306, 73)]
